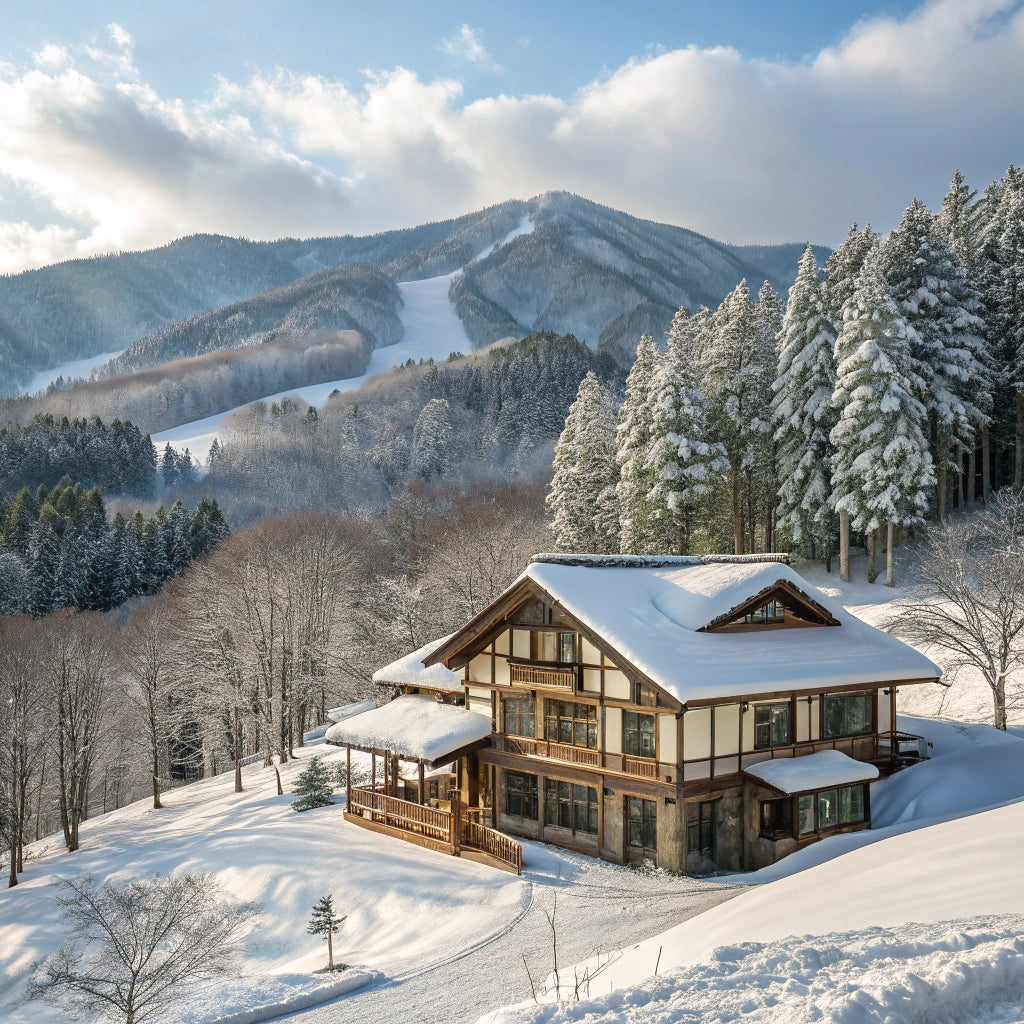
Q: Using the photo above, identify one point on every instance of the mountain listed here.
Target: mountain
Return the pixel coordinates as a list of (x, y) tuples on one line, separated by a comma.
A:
[(583, 268)]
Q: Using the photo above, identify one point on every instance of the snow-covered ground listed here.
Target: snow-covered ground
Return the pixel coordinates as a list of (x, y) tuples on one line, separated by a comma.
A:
[(432, 330), (69, 371), (919, 919)]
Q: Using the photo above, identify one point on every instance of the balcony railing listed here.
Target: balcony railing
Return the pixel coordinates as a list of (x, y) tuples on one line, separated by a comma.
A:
[(640, 767), (545, 678)]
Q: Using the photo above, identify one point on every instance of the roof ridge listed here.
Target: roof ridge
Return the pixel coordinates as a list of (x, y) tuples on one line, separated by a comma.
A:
[(655, 561)]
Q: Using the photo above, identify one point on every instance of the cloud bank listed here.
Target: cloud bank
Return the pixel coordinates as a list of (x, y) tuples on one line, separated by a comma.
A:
[(92, 159)]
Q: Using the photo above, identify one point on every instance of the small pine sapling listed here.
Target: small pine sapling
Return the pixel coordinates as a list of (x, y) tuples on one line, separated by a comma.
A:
[(314, 787), (325, 921)]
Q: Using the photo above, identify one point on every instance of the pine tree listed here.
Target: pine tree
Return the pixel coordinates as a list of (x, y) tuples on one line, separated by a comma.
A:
[(804, 413), (432, 439), (947, 352), (582, 498), (881, 469), (842, 268), (313, 786), (682, 461), (325, 921), (633, 440)]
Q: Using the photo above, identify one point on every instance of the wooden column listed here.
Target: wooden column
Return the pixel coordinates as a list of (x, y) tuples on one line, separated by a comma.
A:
[(373, 770), (455, 837), (421, 790), (348, 783)]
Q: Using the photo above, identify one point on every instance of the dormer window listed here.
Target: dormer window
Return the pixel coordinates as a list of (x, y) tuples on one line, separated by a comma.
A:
[(778, 607), (768, 614)]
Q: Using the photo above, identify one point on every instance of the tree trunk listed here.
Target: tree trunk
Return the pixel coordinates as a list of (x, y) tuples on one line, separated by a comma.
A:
[(737, 516), (986, 463), (999, 706), (890, 543), (1018, 454), (237, 752), (941, 497), (330, 948), (972, 468), (872, 556), (844, 545)]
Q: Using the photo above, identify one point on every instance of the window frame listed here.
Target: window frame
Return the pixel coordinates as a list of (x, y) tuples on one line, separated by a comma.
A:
[(589, 722), (574, 802), (771, 708), (824, 730), (518, 714), (852, 814), (557, 638), (777, 819), (643, 824), (526, 789), (635, 730), (703, 822)]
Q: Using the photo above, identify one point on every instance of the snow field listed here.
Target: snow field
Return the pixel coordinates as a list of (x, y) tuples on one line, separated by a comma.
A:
[(69, 371)]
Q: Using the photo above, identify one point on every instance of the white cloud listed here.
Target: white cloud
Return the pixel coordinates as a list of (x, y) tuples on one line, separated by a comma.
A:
[(465, 44), (742, 150), (51, 57)]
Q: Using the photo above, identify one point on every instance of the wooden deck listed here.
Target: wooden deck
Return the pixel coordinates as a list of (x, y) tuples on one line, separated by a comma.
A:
[(436, 829)]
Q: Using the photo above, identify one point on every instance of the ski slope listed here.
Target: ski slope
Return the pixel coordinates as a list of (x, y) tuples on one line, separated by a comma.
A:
[(432, 330)]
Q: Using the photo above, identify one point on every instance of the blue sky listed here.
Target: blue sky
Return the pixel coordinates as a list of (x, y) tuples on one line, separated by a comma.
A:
[(124, 125)]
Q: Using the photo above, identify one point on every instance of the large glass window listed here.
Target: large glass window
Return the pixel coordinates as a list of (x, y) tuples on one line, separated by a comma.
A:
[(565, 721), (847, 715), (638, 734), (773, 725), (570, 806), (831, 808), (521, 795), (769, 613), (520, 716), (700, 829), (547, 645), (642, 822), (533, 611)]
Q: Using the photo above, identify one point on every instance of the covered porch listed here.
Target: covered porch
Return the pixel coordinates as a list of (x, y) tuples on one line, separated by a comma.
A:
[(423, 776)]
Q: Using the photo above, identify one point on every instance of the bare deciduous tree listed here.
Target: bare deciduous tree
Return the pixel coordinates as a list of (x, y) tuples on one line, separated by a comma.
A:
[(970, 603), (132, 948)]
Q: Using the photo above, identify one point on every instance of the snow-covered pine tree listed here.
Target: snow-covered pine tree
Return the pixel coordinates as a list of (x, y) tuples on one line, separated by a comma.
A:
[(842, 268), (1009, 316), (761, 465), (325, 921), (633, 440), (882, 470), (805, 415), (946, 352), (582, 498), (737, 372), (682, 460), (432, 438), (313, 787)]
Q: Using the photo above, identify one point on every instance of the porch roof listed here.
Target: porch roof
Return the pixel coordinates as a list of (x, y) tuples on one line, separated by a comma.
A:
[(410, 671), (414, 727), (826, 768)]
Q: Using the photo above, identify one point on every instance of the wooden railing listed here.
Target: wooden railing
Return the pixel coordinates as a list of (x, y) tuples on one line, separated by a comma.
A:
[(546, 678), (641, 767), (446, 831), (497, 844), (402, 814)]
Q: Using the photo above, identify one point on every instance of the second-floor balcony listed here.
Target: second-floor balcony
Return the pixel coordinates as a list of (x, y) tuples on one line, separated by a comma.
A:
[(542, 677), (641, 767)]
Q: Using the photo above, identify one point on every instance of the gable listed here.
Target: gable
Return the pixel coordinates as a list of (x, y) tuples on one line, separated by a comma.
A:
[(778, 606)]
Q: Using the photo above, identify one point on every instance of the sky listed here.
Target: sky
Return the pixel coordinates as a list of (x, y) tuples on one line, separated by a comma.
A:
[(126, 125)]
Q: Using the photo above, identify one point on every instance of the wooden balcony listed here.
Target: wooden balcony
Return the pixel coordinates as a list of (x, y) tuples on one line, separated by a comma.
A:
[(542, 678), (446, 831), (640, 767)]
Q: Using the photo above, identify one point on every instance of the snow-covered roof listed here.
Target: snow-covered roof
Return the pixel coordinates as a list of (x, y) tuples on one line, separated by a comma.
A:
[(652, 611), (348, 710), (812, 771), (410, 671), (414, 726)]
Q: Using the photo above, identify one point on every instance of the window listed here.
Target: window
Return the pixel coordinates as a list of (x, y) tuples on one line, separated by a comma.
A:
[(571, 723), (532, 612), (773, 725), (777, 819), (547, 645), (829, 809), (847, 715), (700, 829), (521, 795), (771, 612), (520, 716), (570, 806), (642, 822), (638, 734)]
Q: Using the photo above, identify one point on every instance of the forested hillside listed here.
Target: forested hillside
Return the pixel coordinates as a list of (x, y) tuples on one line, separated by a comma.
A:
[(585, 269)]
